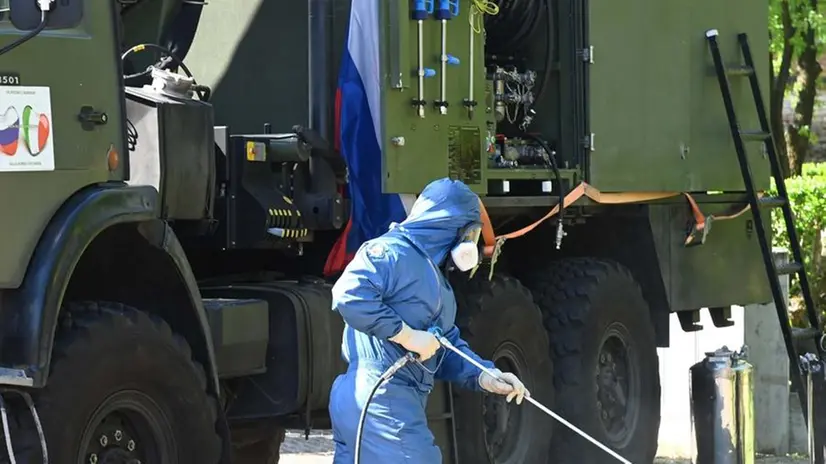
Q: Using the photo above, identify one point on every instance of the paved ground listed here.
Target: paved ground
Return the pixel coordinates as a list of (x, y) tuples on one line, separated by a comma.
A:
[(319, 450)]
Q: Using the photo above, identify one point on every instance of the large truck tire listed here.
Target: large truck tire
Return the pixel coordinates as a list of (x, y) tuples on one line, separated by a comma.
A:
[(501, 323), (606, 369), (123, 388)]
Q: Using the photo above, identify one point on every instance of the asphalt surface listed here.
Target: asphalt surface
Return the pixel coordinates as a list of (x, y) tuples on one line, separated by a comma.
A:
[(319, 450)]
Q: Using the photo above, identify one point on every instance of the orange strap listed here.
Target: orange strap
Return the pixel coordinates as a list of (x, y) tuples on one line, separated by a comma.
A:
[(702, 223), (492, 241)]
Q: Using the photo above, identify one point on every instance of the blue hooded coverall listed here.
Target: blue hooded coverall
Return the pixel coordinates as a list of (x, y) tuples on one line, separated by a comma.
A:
[(392, 278)]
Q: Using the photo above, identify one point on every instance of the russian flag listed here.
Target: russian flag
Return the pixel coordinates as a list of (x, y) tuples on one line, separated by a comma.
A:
[(360, 139)]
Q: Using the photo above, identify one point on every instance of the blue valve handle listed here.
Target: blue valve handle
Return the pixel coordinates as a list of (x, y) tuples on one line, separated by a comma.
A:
[(436, 331), (448, 9), (421, 9)]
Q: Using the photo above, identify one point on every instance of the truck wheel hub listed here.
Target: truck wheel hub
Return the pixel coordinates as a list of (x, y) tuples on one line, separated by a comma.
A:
[(128, 428), (505, 423), (617, 385)]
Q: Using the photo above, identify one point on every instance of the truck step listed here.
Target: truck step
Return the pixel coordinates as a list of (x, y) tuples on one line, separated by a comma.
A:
[(772, 202), (808, 332), (739, 71), (16, 377), (789, 268), (755, 135)]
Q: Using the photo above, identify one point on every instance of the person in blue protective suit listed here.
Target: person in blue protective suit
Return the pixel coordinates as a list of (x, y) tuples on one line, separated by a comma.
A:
[(389, 295)]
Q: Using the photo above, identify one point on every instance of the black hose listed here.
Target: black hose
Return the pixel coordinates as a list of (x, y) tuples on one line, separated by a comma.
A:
[(385, 376), (363, 415), (513, 28), (32, 34), (549, 50), (554, 165)]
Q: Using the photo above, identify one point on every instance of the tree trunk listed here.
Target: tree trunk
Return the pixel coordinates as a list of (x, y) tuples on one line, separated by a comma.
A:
[(779, 83), (800, 129)]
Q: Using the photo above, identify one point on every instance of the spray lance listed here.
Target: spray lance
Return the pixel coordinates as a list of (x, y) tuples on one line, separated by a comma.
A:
[(446, 343), (410, 357)]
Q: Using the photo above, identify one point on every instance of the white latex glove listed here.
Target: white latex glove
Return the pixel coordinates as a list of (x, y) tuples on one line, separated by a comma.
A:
[(420, 342), (507, 384)]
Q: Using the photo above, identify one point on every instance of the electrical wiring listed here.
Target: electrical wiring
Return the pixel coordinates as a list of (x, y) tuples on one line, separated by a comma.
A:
[(203, 91), (44, 19)]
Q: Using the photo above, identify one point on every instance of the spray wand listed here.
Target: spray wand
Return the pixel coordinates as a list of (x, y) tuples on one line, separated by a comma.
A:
[(446, 343), (410, 357)]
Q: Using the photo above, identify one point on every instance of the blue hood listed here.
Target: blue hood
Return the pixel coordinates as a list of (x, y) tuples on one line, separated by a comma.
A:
[(444, 208)]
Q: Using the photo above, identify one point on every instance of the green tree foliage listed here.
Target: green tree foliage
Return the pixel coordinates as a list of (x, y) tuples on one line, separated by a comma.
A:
[(807, 194), (796, 29)]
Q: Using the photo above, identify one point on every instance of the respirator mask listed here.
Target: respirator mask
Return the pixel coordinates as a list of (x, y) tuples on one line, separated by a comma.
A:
[(466, 253)]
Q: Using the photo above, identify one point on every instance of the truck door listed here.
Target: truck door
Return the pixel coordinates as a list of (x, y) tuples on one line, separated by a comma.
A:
[(47, 151)]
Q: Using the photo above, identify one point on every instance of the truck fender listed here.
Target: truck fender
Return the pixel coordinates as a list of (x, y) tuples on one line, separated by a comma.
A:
[(32, 310)]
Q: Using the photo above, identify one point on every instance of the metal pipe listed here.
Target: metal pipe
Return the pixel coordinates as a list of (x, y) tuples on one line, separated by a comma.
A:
[(318, 66)]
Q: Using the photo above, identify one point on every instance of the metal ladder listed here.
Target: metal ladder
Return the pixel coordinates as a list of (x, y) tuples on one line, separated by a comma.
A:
[(773, 272)]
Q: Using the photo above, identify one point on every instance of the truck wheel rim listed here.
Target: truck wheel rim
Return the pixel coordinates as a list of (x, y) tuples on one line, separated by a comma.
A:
[(127, 428), (506, 428), (617, 385)]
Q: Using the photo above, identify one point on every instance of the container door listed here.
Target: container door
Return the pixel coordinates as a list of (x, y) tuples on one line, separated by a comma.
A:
[(638, 95)]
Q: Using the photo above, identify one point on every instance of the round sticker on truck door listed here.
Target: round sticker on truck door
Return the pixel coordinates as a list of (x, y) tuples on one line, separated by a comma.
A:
[(35, 127)]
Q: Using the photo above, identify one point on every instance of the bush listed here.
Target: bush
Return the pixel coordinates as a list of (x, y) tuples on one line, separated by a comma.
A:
[(807, 194)]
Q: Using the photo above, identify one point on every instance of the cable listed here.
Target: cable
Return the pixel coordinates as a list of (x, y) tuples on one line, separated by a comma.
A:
[(552, 161), (44, 15), (516, 22), (164, 50), (385, 376), (203, 91), (512, 28), (549, 49), (479, 8)]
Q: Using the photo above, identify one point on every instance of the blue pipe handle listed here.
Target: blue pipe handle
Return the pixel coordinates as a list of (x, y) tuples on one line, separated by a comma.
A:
[(422, 8), (448, 9), (454, 7)]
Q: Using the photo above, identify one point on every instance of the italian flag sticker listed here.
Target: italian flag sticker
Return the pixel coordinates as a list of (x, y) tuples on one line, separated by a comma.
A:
[(35, 130)]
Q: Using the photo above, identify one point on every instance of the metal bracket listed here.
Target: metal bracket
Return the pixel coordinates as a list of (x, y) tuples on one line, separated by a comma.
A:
[(588, 142), (587, 54)]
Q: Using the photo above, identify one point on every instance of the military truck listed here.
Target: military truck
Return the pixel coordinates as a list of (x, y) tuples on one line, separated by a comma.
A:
[(174, 182)]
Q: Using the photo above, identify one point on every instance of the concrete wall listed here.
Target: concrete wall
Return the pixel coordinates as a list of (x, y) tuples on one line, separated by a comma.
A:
[(757, 327)]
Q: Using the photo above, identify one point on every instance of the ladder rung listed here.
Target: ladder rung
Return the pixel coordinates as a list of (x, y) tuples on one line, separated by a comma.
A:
[(789, 268), (772, 202), (739, 70), (756, 135), (808, 332)]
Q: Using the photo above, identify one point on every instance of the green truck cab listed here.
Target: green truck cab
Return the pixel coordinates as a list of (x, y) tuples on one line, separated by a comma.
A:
[(150, 312)]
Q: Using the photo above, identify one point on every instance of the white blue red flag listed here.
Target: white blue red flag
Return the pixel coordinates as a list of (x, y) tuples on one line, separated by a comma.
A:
[(360, 139)]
